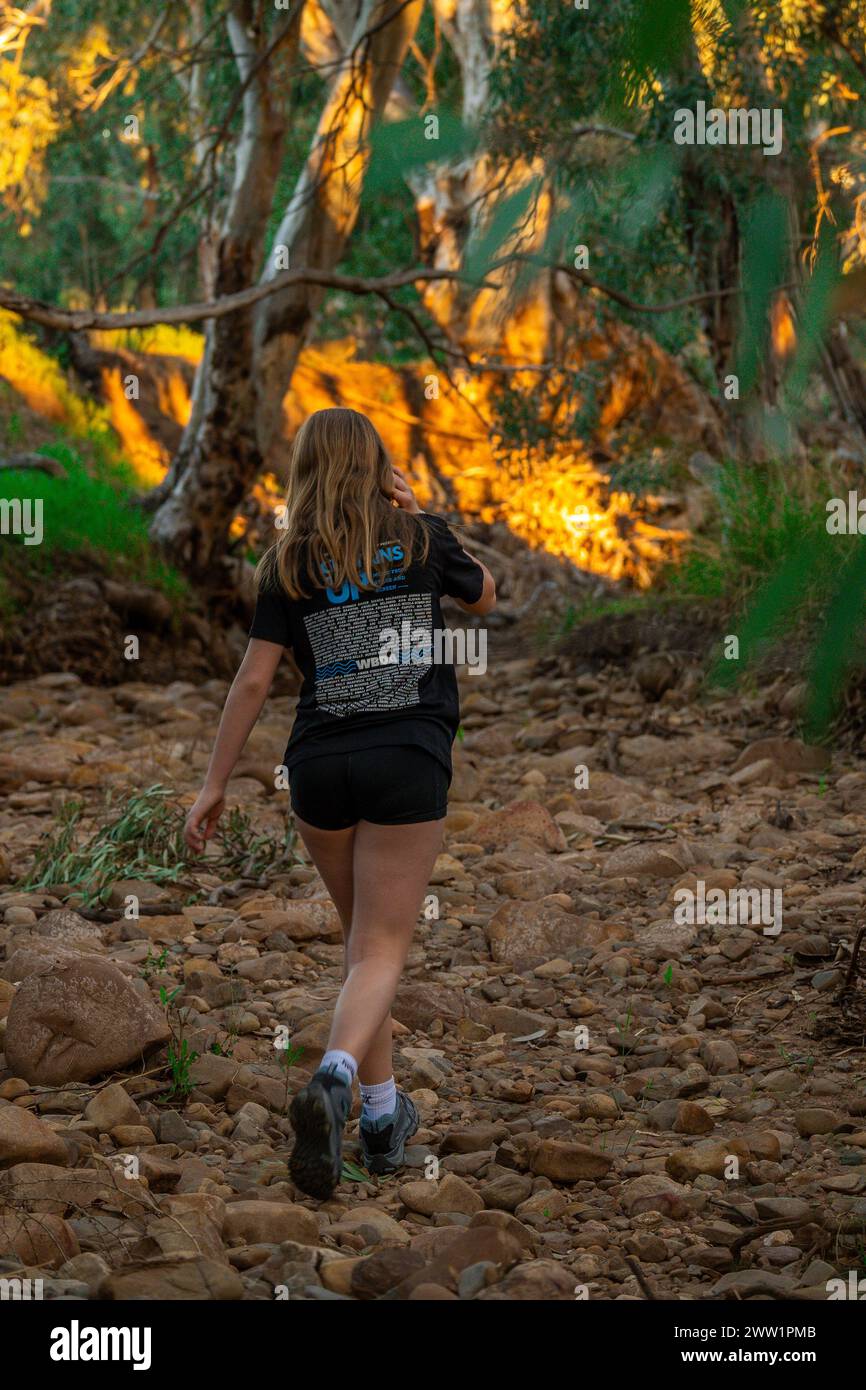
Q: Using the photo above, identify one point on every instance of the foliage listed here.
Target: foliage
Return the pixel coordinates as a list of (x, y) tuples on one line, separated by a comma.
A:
[(580, 121), (179, 1054), (92, 509), (785, 578), (144, 840)]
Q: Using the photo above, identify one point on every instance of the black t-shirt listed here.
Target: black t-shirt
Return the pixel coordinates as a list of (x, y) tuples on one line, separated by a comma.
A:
[(367, 655)]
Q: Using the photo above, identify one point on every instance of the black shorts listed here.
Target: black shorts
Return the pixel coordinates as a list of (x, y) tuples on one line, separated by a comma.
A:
[(395, 785)]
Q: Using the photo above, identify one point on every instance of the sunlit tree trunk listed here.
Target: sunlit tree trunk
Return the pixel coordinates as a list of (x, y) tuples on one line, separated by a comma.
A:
[(454, 199), (249, 356), (218, 452), (323, 209)]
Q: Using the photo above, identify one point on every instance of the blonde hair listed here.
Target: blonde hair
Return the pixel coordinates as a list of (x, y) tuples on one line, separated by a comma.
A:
[(338, 510)]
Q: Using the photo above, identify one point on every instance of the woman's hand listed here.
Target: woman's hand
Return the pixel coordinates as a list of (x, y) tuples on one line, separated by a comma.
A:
[(201, 823), (403, 494)]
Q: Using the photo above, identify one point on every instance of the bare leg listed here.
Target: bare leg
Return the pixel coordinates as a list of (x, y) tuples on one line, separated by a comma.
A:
[(392, 865), (333, 852)]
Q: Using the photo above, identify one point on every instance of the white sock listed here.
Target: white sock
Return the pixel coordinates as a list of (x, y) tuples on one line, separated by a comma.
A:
[(378, 1100), (342, 1064)]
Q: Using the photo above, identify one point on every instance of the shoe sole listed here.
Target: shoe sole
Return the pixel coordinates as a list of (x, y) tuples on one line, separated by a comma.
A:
[(311, 1164)]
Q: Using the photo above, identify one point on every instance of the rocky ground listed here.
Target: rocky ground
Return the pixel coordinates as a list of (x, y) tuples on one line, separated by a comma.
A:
[(614, 1104)]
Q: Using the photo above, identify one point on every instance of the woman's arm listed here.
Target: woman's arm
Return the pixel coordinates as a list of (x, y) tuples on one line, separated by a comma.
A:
[(405, 498), (487, 601), (242, 708)]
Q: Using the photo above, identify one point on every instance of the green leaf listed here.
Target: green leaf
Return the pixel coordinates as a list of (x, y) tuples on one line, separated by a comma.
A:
[(840, 640), (814, 316), (509, 213), (398, 147), (352, 1173), (648, 184), (658, 34), (775, 607), (765, 258)]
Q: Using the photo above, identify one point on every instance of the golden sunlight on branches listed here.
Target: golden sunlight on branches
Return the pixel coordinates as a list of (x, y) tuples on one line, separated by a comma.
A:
[(28, 122)]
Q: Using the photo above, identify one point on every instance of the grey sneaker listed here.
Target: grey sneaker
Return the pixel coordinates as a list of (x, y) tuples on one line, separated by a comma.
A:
[(384, 1140), (319, 1113)]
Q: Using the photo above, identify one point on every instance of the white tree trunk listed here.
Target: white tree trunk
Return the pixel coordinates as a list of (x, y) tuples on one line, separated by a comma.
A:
[(250, 355), (218, 454), (322, 211)]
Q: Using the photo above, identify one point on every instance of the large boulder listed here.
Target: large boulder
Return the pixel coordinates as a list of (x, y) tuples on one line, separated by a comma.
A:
[(519, 820), (419, 1003), (77, 1018), (46, 1187), (527, 934)]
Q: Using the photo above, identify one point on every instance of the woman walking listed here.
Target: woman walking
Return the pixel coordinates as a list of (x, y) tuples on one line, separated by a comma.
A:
[(352, 586)]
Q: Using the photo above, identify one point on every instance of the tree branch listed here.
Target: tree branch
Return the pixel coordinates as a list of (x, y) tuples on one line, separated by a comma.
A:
[(74, 320), (50, 316), (602, 130), (584, 278)]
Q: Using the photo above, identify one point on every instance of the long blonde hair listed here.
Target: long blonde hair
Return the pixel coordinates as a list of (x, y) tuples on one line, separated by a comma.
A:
[(338, 510)]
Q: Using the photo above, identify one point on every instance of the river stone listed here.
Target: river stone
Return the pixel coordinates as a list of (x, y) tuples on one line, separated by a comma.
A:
[(537, 1281), (789, 753), (44, 1239), (257, 1222), (62, 924), (311, 920), (711, 1159), (478, 1243), (519, 820), (176, 1279), (111, 1107), (655, 1192), (451, 1193), (647, 861), (48, 1187), (562, 1161), (419, 1003), (26, 1139), (525, 935), (77, 1019)]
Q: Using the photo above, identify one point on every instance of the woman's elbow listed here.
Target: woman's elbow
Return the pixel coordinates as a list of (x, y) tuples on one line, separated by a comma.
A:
[(253, 685), (487, 601)]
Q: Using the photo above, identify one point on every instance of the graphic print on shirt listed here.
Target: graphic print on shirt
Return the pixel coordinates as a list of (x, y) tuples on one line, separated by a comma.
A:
[(346, 641)]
